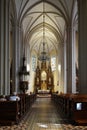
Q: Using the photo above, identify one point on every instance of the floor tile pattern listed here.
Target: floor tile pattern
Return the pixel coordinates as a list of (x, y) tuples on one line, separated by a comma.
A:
[(43, 116)]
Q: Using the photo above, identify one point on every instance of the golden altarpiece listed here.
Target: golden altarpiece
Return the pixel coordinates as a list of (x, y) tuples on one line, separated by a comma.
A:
[(44, 78)]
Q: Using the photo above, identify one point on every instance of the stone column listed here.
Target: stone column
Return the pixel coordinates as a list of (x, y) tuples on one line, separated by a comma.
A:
[(69, 59), (65, 68), (73, 60), (82, 10), (61, 67), (1, 44), (16, 56), (4, 48)]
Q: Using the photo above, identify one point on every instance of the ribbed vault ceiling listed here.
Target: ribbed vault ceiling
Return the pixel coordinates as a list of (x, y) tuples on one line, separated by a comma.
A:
[(57, 15)]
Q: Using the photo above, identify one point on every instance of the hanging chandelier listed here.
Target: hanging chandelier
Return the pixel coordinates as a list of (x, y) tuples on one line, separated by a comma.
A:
[(43, 55)]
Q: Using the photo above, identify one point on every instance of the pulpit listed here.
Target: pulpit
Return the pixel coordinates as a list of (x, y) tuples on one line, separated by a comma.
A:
[(23, 84)]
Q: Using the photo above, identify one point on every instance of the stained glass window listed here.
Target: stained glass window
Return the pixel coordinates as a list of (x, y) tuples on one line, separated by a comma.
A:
[(33, 63), (53, 63)]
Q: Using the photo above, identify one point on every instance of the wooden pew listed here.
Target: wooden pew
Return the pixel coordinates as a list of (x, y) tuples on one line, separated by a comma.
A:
[(9, 112), (13, 111), (73, 106), (78, 110)]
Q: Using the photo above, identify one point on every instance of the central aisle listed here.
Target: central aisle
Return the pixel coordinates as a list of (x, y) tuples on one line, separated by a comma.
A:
[(44, 116)]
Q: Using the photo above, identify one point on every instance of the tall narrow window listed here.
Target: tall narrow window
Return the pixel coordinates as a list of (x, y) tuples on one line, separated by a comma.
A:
[(33, 63), (53, 63)]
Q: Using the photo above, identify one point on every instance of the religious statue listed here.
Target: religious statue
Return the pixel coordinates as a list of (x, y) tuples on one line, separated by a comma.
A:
[(43, 86)]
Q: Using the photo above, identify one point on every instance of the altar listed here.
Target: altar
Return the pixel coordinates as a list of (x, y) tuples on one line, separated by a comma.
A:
[(43, 91), (43, 86), (43, 79)]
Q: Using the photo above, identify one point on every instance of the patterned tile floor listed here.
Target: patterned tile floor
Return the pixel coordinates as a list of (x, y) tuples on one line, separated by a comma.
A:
[(43, 116)]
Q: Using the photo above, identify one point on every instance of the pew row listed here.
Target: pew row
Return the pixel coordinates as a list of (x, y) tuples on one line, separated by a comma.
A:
[(9, 112), (12, 112), (73, 106)]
